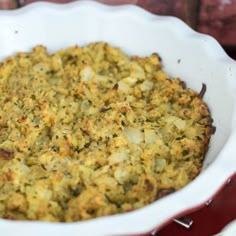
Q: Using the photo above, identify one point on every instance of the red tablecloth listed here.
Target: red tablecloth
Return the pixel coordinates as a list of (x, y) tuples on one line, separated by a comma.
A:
[(209, 220)]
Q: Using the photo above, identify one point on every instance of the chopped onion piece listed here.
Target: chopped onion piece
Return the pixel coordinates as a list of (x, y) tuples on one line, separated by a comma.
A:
[(150, 136), (119, 156), (146, 85), (134, 135), (86, 73), (160, 164), (179, 123)]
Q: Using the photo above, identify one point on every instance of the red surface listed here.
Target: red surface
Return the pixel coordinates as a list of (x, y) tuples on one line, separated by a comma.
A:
[(218, 19), (209, 220)]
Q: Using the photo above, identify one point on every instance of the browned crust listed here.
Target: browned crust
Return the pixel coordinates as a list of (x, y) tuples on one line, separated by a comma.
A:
[(114, 134)]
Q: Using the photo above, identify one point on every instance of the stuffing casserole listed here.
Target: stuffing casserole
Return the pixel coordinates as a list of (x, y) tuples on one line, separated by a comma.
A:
[(90, 131)]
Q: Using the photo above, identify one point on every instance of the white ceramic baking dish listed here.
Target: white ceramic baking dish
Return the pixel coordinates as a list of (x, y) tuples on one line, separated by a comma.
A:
[(194, 57)]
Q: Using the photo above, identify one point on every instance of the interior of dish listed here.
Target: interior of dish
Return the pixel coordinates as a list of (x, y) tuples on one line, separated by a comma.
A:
[(193, 57), (90, 131)]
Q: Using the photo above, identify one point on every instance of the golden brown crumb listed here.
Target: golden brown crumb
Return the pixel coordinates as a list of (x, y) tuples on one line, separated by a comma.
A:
[(89, 131)]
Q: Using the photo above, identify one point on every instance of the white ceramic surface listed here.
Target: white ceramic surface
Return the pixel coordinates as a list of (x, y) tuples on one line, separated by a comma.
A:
[(194, 57), (228, 230)]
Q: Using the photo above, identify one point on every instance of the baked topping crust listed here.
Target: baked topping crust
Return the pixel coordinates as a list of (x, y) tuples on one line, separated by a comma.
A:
[(89, 131)]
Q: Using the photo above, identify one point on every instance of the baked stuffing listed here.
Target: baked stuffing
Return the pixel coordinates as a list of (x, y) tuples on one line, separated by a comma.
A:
[(90, 131)]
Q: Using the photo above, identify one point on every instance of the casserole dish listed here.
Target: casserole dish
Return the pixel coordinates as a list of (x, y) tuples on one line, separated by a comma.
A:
[(193, 57)]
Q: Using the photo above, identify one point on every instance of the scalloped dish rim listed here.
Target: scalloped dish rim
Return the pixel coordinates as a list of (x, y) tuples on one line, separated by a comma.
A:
[(147, 218)]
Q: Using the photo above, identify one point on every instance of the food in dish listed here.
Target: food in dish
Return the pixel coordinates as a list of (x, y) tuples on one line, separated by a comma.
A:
[(90, 131)]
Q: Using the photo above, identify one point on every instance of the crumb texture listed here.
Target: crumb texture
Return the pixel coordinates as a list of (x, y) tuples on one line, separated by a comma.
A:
[(90, 131)]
